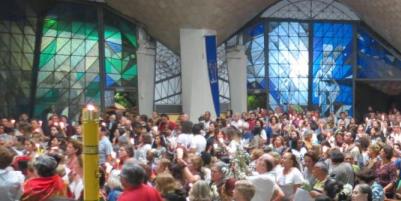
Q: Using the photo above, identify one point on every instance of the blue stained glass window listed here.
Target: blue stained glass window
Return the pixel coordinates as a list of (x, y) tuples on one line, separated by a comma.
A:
[(288, 64), (374, 60), (332, 67), (255, 46)]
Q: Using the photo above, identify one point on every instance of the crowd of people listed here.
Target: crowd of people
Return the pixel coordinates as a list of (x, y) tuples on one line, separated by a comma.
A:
[(259, 155)]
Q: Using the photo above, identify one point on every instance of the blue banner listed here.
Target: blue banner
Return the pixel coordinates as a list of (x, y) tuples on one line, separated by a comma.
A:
[(211, 58)]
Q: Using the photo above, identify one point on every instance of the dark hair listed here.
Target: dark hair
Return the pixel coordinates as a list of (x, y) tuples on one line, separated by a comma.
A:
[(367, 175), (365, 189), (6, 157), (162, 141), (77, 146), (129, 149), (187, 127), (313, 156), (196, 129), (332, 187), (294, 160), (388, 151), (336, 156), (323, 198)]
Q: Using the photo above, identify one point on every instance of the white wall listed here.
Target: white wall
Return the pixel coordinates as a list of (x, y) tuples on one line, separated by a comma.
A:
[(196, 93), (237, 61), (146, 70)]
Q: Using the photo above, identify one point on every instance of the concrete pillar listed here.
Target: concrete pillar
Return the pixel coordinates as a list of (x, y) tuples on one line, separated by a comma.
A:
[(196, 93), (146, 72), (237, 61)]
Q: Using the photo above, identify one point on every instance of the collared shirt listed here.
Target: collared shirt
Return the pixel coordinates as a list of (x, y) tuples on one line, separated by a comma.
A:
[(11, 183)]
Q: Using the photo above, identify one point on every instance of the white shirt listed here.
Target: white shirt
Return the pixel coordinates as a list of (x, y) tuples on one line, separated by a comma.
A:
[(288, 181), (11, 184), (264, 187), (185, 139), (198, 143)]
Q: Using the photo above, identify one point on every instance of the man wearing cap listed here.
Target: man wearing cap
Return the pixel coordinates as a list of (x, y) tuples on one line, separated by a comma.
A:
[(132, 179)]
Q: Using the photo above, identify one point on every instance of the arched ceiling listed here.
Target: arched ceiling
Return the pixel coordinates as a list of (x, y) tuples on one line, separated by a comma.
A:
[(163, 19)]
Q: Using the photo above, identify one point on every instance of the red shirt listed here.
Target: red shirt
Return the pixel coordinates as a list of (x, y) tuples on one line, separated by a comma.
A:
[(140, 193)]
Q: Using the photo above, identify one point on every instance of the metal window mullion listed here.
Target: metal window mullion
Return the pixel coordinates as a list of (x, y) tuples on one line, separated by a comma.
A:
[(266, 51), (101, 39), (354, 64), (310, 76), (36, 60)]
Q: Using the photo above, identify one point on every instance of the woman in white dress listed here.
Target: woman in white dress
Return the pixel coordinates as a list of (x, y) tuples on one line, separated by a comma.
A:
[(291, 177)]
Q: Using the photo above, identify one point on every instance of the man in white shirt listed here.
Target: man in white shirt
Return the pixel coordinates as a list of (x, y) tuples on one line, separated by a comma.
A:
[(198, 144), (184, 140), (11, 182), (265, 184)]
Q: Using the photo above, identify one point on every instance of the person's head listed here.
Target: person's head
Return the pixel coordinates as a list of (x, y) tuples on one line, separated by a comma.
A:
[(196, 129), (289, 160), (362, 192), (158, 141), (336, 156), (310, 159), (373, 150), (366, 175), (219, 171), (332, 187), (386, 153), (265, 163), (163, 165), (200, 191), (243, 191), (186, 127), (74, 148), (126, 151), (256, 153), (349, 158), (165, 183), (320, 171), (323, 198), (132, 174), (348, 138), (278, 141), (6, 157), (45, 165), (195, 163), (30, 146)]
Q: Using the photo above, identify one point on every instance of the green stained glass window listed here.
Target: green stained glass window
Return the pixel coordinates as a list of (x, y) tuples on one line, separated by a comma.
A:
[(68, 74), (120, 57)]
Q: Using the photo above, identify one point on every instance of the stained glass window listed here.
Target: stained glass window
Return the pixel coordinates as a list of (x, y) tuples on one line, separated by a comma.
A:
[(255, 46), (374, 60), (121, 69), (17, 43), (68, 74), (288, 63), (167, 77), (332, 67)]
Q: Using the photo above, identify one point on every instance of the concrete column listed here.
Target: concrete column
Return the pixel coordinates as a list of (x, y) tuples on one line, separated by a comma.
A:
[(237, 61), (196, 93), (146, 72)]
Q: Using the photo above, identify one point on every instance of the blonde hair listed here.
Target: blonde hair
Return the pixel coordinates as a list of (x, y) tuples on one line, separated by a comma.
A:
[(165, 183), (245, 188), (200, 191)]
